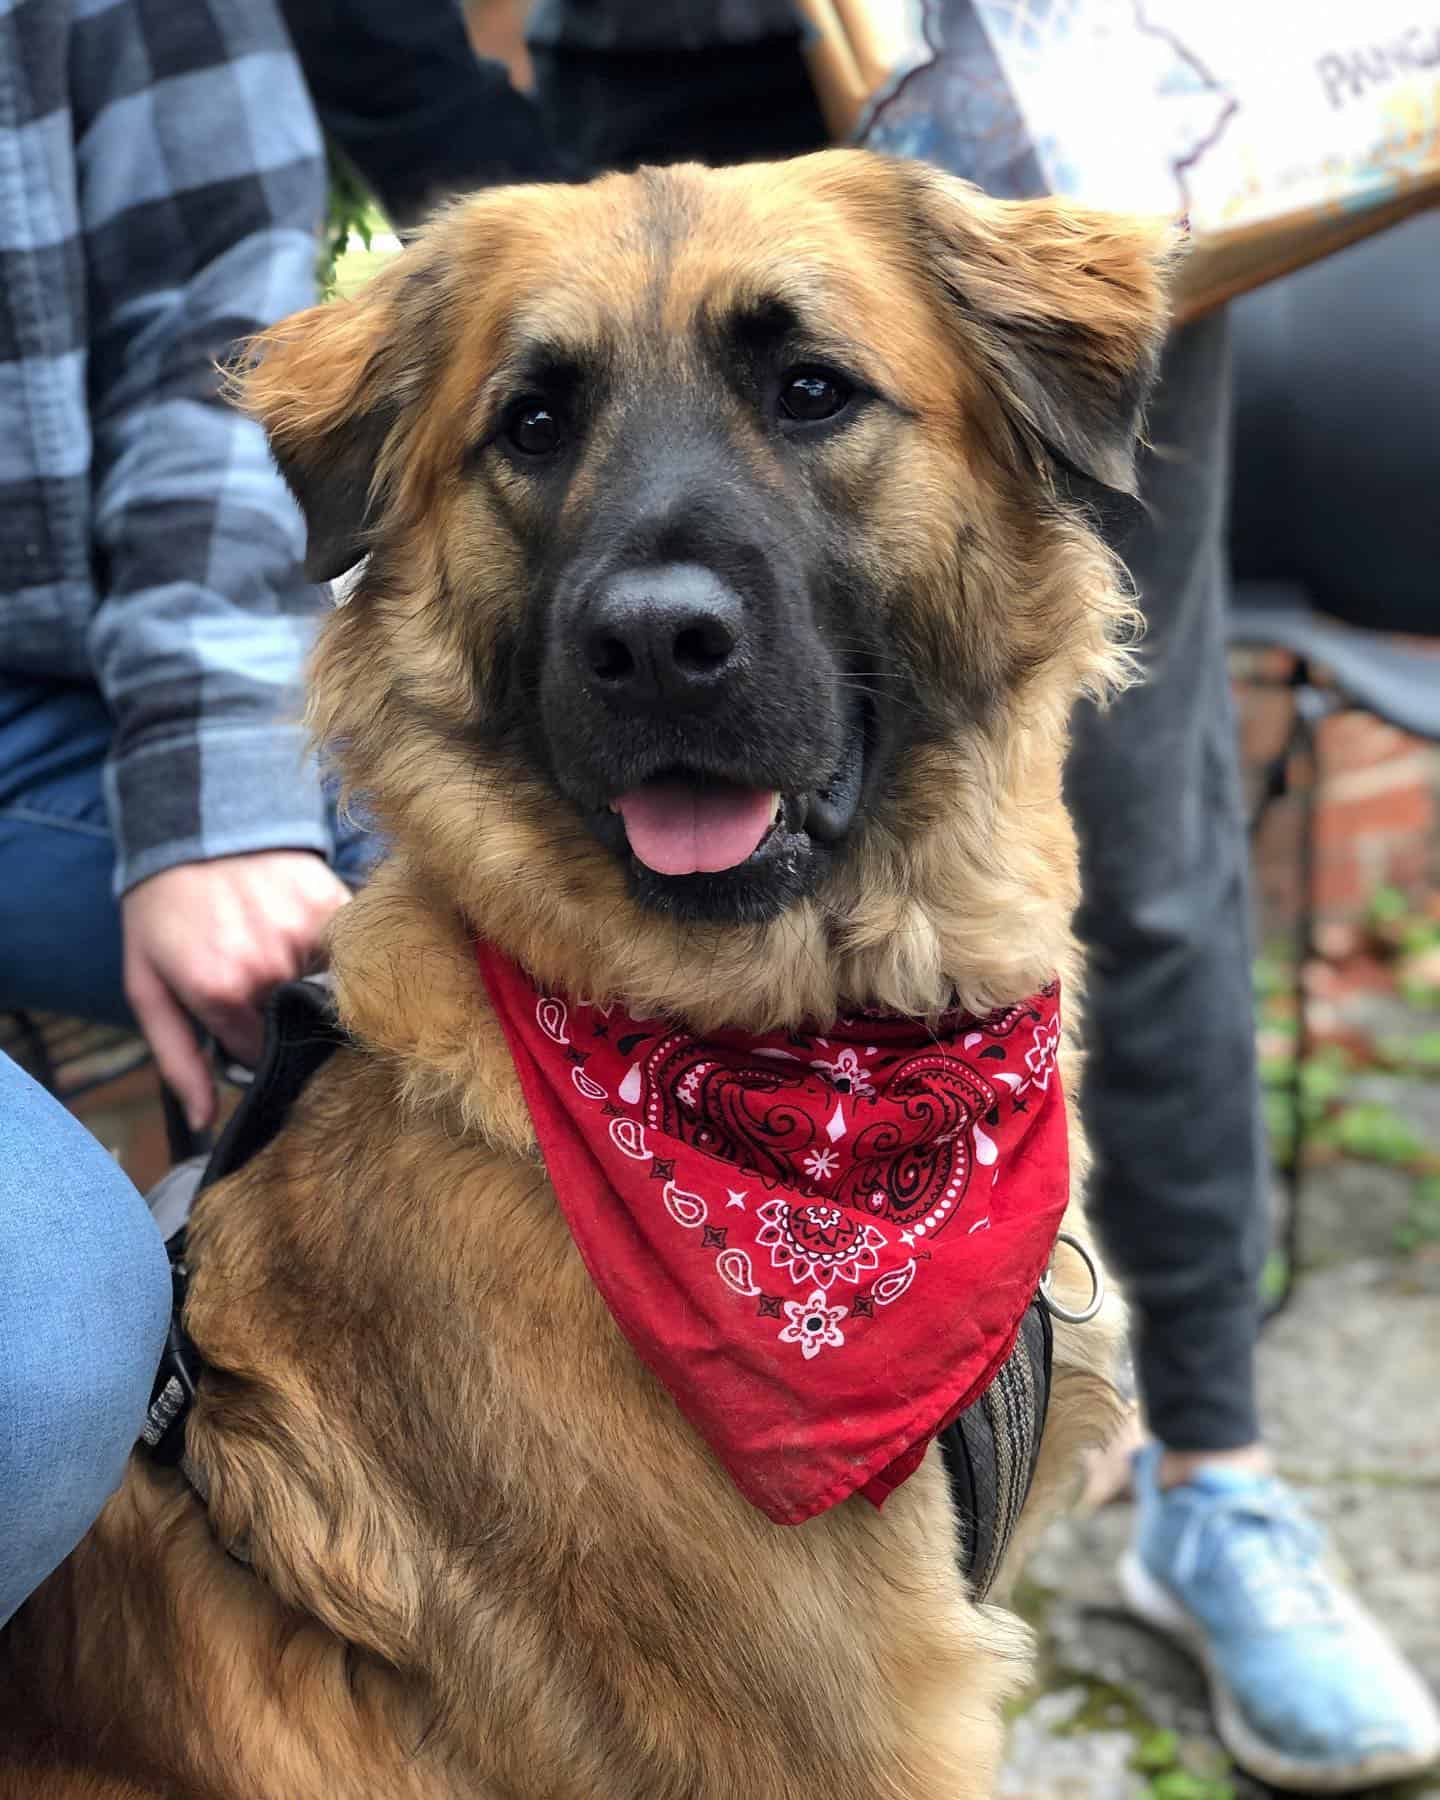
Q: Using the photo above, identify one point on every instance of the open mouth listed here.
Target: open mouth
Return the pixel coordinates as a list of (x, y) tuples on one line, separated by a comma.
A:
[(683, 822)]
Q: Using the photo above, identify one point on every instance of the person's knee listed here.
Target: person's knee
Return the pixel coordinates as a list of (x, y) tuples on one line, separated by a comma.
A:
[(84, 1301), (73, 1393)]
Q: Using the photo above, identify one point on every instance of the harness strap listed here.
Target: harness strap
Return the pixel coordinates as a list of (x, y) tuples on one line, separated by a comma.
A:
[(991, 1449), (301, 1034)]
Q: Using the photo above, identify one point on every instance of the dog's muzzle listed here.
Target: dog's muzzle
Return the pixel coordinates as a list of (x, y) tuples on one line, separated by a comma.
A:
[(705, 737)]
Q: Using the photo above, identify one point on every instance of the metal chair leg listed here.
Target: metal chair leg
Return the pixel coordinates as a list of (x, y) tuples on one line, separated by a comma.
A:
[(1303, 743), (1310, 705)]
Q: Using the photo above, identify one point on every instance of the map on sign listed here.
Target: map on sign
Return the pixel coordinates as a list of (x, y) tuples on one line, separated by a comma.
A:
[(1222, 116)]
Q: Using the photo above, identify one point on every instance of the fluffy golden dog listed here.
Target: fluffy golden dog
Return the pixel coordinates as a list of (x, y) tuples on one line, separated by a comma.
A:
[(850, 420)]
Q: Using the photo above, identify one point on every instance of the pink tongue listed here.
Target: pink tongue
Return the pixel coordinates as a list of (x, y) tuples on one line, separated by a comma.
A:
[(677, 829)]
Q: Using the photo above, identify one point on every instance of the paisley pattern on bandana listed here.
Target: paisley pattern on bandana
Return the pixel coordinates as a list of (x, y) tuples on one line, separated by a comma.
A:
[(821, 1243)]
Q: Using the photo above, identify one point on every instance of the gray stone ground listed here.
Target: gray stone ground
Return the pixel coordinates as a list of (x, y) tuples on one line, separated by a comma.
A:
[(1350, 1378)]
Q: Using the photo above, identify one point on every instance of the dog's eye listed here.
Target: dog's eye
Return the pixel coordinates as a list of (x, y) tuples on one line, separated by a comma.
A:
[(808, 395), (534, 429)]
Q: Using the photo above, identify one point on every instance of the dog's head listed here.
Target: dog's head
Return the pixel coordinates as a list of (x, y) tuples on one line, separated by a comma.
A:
[(724, 528)]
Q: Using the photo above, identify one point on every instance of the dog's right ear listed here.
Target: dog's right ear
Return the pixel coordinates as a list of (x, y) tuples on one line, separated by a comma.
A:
[(1062, 306), (329, 385)]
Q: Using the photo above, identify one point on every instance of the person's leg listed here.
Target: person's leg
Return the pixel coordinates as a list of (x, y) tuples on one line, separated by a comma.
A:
[(1308, 1692), (731, 102), (59, 923), (84, 1302), (1172, 1101), (404, 95)]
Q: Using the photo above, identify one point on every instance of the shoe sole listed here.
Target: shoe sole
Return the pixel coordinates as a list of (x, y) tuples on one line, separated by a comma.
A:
[(1149, 1601)]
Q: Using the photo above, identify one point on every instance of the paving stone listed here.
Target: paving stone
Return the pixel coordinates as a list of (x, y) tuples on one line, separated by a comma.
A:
[(1350, 1210), (1351, 1375), (1388, 1017), (1416, 1101), (1048, 1760)]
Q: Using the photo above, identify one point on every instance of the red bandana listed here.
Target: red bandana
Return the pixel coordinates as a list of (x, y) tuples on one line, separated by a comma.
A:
[(822, 1245)]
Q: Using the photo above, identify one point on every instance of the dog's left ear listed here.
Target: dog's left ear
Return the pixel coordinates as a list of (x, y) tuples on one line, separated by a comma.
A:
[(1065, 308)]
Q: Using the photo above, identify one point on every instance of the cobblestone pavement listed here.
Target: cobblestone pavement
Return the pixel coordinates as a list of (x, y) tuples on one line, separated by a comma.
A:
[(1351, 1387)]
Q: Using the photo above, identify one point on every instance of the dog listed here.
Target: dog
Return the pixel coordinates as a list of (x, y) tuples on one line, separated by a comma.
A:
[(727, 557)]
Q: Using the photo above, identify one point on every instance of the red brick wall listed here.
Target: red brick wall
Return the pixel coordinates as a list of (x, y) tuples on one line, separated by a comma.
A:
[(1378, 823)]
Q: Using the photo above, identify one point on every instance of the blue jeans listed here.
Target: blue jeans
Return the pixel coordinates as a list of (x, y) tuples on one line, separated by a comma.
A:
[(84, 1300), (59, 921)]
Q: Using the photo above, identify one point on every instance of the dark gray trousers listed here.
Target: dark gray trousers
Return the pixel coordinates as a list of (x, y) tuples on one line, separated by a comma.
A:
[(1172, 1101)]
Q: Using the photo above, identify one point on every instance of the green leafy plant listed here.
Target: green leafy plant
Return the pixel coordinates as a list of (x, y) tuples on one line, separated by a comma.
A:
[(1180, 1784), (1156, 1752), (1272, 973), (1323, 1080), (351, 212), (1370, 1131), (1274, 1277), (1159, 1756), (1412, 1056), (1410, 937), (1422, 1223), (1388, 905)]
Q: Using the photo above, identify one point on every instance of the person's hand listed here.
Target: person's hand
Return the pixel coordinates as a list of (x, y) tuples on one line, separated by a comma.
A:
[(210, 939)]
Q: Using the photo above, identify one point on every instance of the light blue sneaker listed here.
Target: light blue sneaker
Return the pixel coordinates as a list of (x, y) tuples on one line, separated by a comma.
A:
[(1308, 1692)]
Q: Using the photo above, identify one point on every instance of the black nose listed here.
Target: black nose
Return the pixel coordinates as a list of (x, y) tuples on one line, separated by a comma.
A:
[(663, 637)]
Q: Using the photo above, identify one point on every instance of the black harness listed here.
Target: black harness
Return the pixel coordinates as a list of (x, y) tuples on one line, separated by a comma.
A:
[(302, 1033), (989, 1451)]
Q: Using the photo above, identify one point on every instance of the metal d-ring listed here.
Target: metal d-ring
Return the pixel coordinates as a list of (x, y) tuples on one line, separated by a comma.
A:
[(1097, 1286)]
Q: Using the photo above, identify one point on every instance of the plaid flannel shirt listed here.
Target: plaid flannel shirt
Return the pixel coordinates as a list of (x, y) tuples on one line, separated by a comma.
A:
[(161, 183)]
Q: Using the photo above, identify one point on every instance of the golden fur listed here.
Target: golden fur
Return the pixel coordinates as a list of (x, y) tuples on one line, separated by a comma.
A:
[(489, 1558)]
